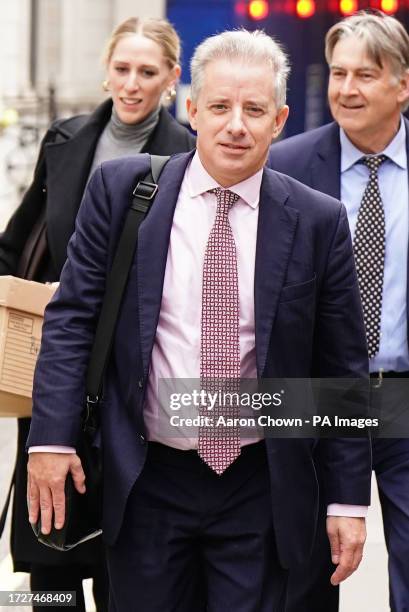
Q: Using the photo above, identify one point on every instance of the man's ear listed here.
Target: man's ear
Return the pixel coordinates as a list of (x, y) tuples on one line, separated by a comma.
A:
[(281, 118), (191, 108)]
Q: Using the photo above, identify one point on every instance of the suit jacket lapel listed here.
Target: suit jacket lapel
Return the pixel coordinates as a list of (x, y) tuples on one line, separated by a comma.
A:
[(68, 164), (325, 169), (152, 251), (277, 223)]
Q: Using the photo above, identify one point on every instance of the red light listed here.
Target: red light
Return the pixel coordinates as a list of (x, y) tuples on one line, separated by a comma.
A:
[(258, 9), (389, 6), (348, 7), (240, 8), (305, 8)]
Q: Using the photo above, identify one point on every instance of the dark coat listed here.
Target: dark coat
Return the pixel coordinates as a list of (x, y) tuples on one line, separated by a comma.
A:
[(305, 291), (60, 178)]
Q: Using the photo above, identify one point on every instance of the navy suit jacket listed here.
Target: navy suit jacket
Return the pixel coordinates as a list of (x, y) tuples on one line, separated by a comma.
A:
[(305, 291), (314, 158)]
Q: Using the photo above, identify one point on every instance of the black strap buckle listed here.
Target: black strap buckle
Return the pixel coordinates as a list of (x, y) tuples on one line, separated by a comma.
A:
[(145, 190)]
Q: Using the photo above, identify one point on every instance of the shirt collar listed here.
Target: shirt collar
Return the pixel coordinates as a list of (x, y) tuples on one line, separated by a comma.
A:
[(199, 181), (395, 151)]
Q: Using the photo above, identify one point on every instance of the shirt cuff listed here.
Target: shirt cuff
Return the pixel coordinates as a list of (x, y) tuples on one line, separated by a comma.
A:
[(51, 449), (347, 510)]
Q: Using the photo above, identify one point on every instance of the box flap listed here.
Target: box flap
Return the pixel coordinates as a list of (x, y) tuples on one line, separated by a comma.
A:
[(25, 295)]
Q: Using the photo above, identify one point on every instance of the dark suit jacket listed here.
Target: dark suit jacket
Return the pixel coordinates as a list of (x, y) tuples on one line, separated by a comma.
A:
[(59, 181), (305, 291), (314, 158)]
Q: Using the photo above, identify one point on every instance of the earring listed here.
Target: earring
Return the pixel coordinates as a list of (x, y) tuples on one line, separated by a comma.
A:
[(171, 94), (105, 85)]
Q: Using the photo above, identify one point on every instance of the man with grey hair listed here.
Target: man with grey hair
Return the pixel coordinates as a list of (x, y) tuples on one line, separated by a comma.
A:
[(234, 271), (362, 158)]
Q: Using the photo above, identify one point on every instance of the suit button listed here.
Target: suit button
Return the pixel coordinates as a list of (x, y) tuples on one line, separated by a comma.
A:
[(142, 439), (140, 383)]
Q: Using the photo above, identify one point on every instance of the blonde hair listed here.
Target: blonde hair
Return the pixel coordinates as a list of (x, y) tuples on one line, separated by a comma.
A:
[(159, 30), (250, 47)]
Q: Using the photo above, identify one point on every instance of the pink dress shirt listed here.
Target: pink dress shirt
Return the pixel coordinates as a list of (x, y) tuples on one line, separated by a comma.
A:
[(176, 350)]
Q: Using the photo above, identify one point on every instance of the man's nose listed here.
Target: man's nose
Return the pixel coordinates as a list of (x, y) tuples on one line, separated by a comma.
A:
[(348, 86), (236, 125)]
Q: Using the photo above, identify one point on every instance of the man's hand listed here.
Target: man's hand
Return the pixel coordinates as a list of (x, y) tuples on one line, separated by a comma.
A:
[(347, 537), (45, 487)]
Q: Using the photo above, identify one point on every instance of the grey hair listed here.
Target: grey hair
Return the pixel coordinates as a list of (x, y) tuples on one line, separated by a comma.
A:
[(249, 47), (385, 38)]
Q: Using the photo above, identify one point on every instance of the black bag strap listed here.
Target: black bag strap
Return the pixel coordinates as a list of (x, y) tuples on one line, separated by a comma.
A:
[(144, 194), (4, 512)]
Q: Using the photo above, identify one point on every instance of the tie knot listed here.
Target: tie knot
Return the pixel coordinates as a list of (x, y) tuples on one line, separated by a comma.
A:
[(225, 199), (373, 161)]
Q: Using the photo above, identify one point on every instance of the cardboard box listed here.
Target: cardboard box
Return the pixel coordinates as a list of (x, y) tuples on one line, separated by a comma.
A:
[(22, 305)]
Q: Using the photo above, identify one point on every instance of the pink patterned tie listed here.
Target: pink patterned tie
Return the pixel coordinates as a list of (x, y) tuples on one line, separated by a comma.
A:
[(219, 446)]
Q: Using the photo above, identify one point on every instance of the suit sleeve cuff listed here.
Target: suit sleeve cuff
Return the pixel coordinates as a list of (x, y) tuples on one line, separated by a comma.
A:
[(51, 449), (347, 510)]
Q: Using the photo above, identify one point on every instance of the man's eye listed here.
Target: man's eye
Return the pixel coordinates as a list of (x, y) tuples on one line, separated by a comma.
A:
[(254, 110), (120, 69), (218, 107)]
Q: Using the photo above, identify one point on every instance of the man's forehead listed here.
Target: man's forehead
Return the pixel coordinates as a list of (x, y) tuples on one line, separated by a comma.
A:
[(364, 56), (222, 77), (365, 63), (227, 65)]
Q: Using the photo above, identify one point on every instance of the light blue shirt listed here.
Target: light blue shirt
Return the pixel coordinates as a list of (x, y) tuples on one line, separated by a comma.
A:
[(393, 184)]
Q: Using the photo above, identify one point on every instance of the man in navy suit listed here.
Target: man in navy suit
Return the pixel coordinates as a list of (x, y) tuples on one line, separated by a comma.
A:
[(239, 271), (365, 151)]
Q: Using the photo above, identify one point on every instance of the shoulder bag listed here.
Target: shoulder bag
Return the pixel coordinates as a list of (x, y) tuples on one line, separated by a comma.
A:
[(83, 512)]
